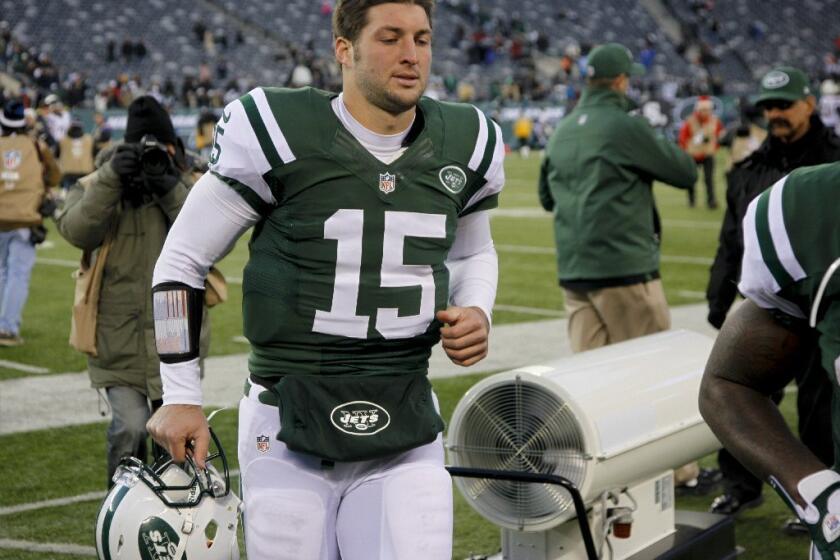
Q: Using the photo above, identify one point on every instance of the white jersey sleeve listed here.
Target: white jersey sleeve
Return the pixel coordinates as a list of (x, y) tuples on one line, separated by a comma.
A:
[(211, 220), (489, 143), (247, 144), (767, 247), (473, 264)]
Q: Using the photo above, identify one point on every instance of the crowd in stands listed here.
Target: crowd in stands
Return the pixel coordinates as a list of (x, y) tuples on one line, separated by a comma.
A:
[(484, 52)]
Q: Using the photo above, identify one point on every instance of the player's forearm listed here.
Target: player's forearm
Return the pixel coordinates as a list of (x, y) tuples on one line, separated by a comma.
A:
[(473, 281), (750, 426), (754, 356), (473, 265)]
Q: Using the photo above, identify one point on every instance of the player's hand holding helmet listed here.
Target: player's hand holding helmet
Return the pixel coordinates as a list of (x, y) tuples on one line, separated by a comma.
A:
[(821, 492), (170, 511)]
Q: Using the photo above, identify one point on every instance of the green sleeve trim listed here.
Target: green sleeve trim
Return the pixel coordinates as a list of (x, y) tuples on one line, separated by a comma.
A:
[(487, 203), (765, 241), (490, 148), (247, 193), (259, 129)]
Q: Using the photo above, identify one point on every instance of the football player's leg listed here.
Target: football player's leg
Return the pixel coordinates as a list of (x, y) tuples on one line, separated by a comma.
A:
[(585, 325), (403, 511), (289, 503)]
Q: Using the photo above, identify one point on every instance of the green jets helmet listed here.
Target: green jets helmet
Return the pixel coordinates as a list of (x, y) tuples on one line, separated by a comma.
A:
[(165, 511)]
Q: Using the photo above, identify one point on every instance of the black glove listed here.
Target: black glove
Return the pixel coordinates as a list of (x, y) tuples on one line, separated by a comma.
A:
[(48, 207), (160, 184), (716, 318), (37, 234), (126, 160)]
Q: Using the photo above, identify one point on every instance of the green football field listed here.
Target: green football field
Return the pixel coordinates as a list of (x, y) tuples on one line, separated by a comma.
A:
[(68, 464)]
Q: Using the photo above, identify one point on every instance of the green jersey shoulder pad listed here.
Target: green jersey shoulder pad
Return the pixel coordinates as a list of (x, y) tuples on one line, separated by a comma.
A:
[(469, 137), (260, 132), (791, 236)]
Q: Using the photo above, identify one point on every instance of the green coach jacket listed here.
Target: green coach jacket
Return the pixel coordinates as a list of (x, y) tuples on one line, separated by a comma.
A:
[(596, 178), (125, 339)]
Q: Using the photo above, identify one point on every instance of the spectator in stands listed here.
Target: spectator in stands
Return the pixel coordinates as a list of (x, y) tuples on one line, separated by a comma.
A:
[(830, 104), (23, 203), (127, 50), (699, 136), (596, 178), (796, 138), (101, 133), (301, 75), (523, 128), (58, 118), (132, 206)]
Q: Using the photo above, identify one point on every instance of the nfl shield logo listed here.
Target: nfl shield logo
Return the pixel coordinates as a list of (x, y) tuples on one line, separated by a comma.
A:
[(262, 444), (387, 182), (11, 158)]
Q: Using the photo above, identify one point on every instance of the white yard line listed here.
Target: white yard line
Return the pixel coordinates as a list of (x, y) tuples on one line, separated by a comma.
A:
[(530, 212), (57, 262), (536, 250), (529, 310), (23, 367), (55, 548), (691, 294), (57, 502)]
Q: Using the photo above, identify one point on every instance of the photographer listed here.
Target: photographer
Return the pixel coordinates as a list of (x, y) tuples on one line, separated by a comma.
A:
[(128, 202)]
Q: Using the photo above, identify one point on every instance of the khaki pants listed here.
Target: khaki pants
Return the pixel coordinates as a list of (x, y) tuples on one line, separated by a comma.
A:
[(609, 315)]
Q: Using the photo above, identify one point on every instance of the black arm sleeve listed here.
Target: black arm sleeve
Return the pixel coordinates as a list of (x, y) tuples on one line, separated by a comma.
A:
[(723, 277)]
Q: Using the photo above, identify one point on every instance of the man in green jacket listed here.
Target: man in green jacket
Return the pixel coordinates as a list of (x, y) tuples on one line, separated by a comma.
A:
[(596, 178), (135, 194)]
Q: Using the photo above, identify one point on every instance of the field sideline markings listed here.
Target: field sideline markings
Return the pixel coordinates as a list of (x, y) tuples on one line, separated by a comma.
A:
[(22, 367), (57, 262), (529, 310), (57, 502), (70, 500), (531, 212), (682, 259), (59, 548)]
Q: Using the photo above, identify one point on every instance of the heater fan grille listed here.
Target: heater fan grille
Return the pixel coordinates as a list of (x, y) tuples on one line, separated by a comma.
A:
[(518, 426)]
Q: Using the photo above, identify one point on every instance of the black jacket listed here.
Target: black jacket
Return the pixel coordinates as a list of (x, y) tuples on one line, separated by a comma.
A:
[(747, 179)]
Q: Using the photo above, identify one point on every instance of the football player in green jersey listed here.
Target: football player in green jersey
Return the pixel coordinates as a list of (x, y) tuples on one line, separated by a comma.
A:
[(371, 243), (791, 256)]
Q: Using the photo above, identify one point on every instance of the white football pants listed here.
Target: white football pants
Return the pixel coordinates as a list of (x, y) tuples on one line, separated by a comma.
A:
[(398, 508)]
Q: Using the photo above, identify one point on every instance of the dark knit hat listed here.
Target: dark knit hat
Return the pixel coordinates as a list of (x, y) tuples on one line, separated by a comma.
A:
[(146, 116), (12, 116)]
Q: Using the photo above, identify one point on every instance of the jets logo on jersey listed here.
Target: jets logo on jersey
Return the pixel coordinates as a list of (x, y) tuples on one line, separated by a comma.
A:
[(360, 418), (262, 444), (453, 178), (387, 182)]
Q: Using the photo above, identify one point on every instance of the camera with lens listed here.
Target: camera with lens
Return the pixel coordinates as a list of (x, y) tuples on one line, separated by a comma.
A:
[(154, 156), (154, 161)]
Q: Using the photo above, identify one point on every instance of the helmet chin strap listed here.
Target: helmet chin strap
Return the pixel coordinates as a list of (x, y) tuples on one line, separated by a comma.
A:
[(215, 412)]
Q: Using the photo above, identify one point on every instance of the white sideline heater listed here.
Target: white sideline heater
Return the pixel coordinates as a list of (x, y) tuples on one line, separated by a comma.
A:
[(613, 421)]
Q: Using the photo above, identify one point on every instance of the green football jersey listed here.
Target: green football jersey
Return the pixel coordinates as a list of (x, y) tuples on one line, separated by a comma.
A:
[(791, 241), (346, 267)]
